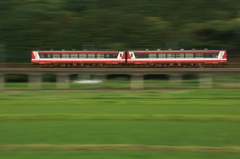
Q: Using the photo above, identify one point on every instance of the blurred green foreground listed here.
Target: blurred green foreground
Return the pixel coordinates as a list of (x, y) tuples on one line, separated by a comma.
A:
[(120, 123)]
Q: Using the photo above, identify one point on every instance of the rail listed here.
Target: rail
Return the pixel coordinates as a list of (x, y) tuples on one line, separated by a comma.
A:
[(29, 65)]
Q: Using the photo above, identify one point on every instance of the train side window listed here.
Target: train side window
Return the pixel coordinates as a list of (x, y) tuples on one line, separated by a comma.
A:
[(65, 56), (56, 56), (110, 55), (198, 55), (141, 55), (208, 55), (41, 55), (181, 55), (91, 56), (214, 55), (74, 56), (162, 55), (82, 56), (99, 56), (170, 55), (45, 55), (152, 55), (173, 56), (49, 55), (188, 55)]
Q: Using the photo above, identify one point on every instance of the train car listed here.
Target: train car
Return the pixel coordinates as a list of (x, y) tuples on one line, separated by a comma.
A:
[(146, 58), (78, 58), (179, 58)]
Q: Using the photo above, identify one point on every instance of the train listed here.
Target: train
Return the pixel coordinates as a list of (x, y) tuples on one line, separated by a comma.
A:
[(134, 58)]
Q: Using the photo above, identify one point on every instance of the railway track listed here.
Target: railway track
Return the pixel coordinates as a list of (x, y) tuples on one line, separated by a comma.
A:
[(29, 65)]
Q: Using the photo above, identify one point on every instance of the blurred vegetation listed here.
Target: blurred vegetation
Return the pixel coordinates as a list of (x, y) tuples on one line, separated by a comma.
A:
[(27, 25)]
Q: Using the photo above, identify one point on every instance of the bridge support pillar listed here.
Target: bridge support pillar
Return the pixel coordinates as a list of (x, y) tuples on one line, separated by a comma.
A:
[(34, 81), (174, 81), (62, 81), (137, 81), (205, 81), (2, 81), (102, 80)]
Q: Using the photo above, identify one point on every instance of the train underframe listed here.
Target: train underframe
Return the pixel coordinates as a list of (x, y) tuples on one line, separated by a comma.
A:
[(162, 65)]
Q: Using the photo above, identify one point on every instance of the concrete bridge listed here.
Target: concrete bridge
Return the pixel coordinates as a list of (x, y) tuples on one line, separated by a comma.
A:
[(136, 74)]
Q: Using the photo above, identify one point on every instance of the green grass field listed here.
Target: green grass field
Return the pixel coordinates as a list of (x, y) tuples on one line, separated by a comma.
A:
[(170, 133), (114, 155), (120, 124)]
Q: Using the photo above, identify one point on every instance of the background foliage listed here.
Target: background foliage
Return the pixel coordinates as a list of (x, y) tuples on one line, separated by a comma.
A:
[(27, 25)]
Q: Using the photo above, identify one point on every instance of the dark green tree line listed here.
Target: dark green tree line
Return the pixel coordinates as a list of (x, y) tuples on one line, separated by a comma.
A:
[(27, 25)]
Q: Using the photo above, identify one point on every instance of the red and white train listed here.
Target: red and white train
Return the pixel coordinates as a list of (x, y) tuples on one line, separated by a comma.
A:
[(146, 58)]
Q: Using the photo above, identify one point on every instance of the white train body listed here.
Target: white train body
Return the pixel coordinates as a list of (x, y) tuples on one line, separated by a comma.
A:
[(159, 58)]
